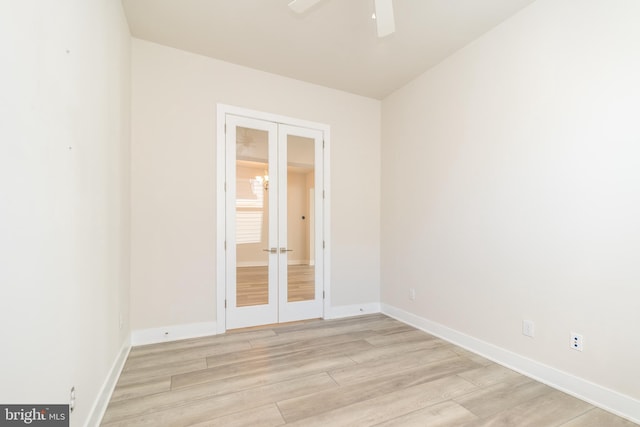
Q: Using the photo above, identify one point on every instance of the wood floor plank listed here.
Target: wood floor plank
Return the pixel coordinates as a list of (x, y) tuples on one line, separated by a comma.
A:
[(293, 346), (225, 385), (306, 406), (181, 355), (445, 414), (312, 359), (306, 336), (145, 350), (551, 409), (369, 324), (380, 367), (486, 402), (403, 337), (346, 343), (386, 326), (473, 356), (380, 352), (390, 405), (598, 418), (391, 328), (264, 416), (493, 374), (365, 321), (186, 412), (130, 391), (166, 370)]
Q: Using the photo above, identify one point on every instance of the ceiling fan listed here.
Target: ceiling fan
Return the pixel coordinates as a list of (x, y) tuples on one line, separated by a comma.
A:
[(383, 13)]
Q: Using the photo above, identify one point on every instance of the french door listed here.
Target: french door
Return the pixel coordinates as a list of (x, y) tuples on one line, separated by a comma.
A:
[(273, 222)]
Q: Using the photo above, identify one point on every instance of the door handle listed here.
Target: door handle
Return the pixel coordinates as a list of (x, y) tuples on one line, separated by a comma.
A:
[(283, 250), (272, 250)]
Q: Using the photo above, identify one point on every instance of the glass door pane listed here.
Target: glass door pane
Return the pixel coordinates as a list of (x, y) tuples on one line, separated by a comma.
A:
[(252, 217), (301, 215)]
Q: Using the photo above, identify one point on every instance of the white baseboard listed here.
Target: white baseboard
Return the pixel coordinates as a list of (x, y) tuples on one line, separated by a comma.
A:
[(104, 396), (173, 333), (602, 397), (341, 311)]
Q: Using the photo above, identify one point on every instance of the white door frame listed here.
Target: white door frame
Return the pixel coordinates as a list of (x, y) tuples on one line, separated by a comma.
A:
[(221, 269)]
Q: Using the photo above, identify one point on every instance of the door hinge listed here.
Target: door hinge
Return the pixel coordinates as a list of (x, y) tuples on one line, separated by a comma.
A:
[(225, 128), (225, 245), (225, 303), (322, 294), (323, 244), (225, 186), (323, 194), (323, 143)]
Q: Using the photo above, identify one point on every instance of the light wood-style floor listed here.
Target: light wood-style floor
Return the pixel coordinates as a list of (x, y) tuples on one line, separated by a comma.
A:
[(362, 371), (252, 288)]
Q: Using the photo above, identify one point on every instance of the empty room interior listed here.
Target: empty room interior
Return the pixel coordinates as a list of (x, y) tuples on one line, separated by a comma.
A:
[(321, 212)]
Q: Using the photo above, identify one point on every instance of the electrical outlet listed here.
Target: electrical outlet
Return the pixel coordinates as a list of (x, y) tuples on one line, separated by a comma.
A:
[(412, 294), (577, 341), (528, 328), (72, 399)]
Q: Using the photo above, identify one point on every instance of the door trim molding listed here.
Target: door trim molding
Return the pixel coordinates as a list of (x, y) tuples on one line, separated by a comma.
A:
[(221, 111)]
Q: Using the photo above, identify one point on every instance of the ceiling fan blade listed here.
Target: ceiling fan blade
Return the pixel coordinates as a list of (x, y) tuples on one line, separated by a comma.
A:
[(384, 17), (301, 6)]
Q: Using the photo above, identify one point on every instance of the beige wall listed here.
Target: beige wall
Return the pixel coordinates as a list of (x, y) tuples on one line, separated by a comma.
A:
[(174, 179), (511, 189), (64, 199)]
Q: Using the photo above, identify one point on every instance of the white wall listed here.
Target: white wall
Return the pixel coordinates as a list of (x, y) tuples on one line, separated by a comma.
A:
[(174, 179), (64, 199), (511, 189)]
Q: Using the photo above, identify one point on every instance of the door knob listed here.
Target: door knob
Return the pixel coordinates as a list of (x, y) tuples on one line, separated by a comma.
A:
[(283, 250), (272, 250)]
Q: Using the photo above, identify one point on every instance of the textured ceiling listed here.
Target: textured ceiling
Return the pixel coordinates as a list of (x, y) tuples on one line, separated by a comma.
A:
[(334, 44)]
